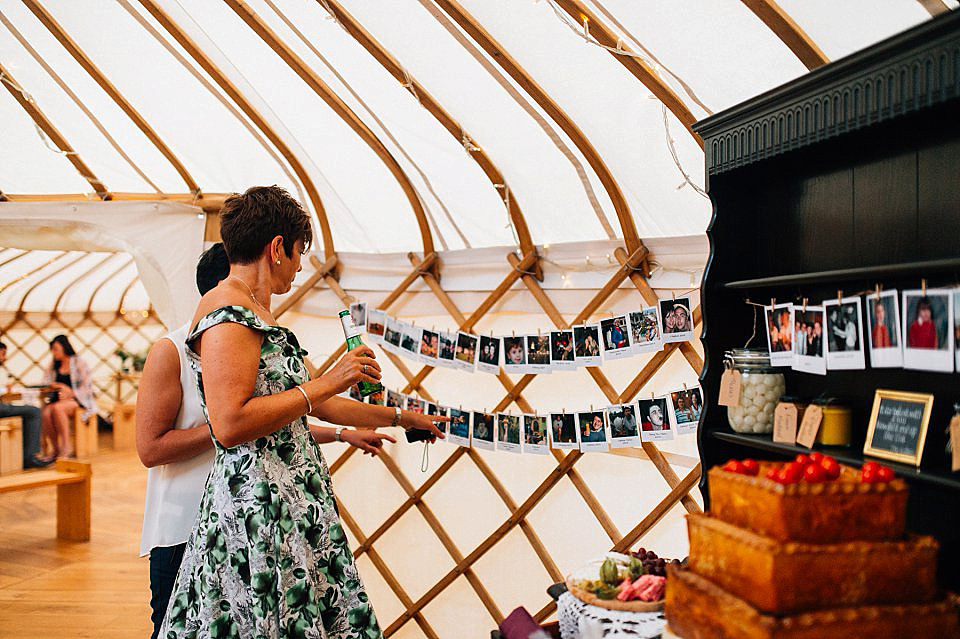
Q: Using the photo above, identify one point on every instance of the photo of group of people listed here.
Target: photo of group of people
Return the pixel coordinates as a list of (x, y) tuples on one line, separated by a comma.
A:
[(621, 426), (916, 329), (617, 337)]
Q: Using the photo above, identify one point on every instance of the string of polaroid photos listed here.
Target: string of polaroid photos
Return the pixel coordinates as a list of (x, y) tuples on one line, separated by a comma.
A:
[(657, 418), (915, 329), (643, 331)]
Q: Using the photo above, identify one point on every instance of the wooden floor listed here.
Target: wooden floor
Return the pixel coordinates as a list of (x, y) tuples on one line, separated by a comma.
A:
[(98, 589)]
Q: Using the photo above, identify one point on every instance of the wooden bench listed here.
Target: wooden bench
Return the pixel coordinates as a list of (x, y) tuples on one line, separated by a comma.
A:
[(73, 482), (11, 445), (85, 435), (124, 427)]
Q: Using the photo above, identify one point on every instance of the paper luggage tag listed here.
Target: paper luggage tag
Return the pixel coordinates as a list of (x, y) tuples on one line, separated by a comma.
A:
[(810, 426), (785, 424), (955, 439), (730, 388)]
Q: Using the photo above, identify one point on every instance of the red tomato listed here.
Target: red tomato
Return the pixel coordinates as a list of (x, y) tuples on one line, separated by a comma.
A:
[(884, 474), (733, 466), (772, 473), (827, 458), (750, 467), (868, 475), (872, 465), (816, 458), (803, 460), (830, 467), (814, 474), (792, 473)]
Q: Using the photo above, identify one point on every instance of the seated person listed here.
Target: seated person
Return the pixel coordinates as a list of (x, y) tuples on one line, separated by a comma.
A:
[(69, 378), (30, 418)]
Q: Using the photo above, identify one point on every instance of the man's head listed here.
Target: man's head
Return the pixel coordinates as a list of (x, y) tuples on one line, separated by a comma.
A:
[(655, 414), (212, 267), (3, 353)]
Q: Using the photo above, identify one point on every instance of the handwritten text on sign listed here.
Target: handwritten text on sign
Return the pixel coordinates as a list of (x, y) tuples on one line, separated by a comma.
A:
[(898, 426)]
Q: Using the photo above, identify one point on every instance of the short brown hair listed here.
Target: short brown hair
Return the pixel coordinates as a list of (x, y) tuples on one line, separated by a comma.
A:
[(248, 222)]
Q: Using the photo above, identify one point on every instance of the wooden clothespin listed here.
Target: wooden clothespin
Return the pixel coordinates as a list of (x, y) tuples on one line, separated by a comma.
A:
[(839, 295), (685, 386), (878, 289), (804, 305), (923, 286), (773, 303)]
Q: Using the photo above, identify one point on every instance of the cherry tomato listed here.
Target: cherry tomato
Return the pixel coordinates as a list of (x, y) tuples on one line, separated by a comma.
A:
[(884, 474), (816, 458), (772, 473), (733, 466), (830, 467), (828, 458), (750, 467), (803, 460), (872, 465), (868, 475), (814, 474), (792, 473)]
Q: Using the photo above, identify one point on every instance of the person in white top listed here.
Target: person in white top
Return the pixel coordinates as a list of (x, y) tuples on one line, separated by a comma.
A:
[(174, 443)]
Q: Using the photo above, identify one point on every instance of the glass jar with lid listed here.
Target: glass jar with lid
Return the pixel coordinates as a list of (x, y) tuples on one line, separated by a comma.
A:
[(761, 386)]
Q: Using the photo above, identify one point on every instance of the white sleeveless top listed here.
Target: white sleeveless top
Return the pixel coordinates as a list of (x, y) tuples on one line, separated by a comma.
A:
[(174, 490)]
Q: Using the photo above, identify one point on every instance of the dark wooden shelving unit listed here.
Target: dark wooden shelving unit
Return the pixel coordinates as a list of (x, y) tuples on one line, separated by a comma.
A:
[(844, 179)]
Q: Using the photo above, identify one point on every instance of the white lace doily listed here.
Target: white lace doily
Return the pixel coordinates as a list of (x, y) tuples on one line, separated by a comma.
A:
[(582, 621)]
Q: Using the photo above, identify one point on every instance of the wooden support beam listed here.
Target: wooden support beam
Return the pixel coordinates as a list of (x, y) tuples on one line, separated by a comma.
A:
[(789, 32), (934, 7), (313, 80), (323, 269), (197, 53), (43, 122), (394, 68), (635, 65), (209, 202), (84, 61), (660, 510), (501, 57)]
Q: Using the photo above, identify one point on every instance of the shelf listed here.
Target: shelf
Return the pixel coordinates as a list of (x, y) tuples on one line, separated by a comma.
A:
[(868, 272), (843, 455)]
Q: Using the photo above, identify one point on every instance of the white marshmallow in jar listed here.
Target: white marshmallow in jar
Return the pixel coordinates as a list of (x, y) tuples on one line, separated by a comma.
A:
[(761, 387)]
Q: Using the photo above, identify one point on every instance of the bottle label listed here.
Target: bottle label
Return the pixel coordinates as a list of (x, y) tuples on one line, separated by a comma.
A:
[(349, 328)]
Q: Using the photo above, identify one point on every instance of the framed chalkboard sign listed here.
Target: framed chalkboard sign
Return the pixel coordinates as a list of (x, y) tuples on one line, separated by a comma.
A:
[(898, 426)]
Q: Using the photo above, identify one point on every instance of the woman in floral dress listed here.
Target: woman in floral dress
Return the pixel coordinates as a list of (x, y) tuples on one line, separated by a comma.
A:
[(268, 556)]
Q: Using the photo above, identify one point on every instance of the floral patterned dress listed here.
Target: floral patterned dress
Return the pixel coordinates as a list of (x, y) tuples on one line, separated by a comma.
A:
[(267, 557)]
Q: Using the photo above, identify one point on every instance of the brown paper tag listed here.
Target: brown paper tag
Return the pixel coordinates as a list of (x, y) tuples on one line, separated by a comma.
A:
[(785, 424), (810, 425), (730, 388), (955, 440)]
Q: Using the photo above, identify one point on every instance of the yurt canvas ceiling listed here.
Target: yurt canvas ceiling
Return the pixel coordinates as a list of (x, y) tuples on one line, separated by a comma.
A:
[(255, 120)]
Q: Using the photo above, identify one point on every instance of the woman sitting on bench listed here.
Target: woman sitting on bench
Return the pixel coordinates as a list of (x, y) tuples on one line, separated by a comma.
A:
[(69, 377)]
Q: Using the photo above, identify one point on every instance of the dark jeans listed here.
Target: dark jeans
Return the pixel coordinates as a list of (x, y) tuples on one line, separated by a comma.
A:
[(164, 565), (32, 425)]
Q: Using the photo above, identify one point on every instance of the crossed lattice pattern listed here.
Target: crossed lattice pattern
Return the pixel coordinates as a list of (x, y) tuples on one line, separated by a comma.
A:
[(518, 518)]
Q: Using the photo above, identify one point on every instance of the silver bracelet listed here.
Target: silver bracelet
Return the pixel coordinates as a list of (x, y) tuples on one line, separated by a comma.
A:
[(309, 405), (396, 418)]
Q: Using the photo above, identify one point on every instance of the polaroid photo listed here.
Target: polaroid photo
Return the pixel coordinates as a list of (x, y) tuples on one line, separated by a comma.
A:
[(439, 411), (845, 349), (685, 408), (538, 354), (616, 338), (586, 344), (561, 351), (484, 428), (654, 420), (459, 427), (508, 432), (488, 359), (809, 350), (358, 313), (465, 353), (415, 405), (676, 320), (429, 347), (392, 336), (624, 431), (395, 399), (535, 438), (883, 330), (410, 343), (928, 330), (514, 355), (446, 350), (376, 325), (645, 330), (563, 432), (377, 399), (354, 393), (592, 431), (779, 322)]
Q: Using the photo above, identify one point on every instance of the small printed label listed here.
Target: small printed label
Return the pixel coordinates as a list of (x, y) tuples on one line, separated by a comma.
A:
[(730, 388), (955, 441), (785, 424), (349, 328), (810, 426)]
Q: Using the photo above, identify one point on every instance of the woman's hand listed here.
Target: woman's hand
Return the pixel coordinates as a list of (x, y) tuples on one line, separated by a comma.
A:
[(411, 420), (369, 441), (65, 392), (358, 365)]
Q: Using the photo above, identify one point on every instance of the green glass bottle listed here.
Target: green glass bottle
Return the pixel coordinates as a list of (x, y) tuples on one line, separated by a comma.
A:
[(352, 333)]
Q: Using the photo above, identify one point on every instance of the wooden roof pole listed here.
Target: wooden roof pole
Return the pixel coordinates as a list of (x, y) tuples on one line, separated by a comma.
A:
[(77, 280), (636, 66), (307, 74), (33, 287), (221, 79), (789, 32), (51, 132), (58, 32), (109, 277), (394, 68), (934, 7), (209, 202), (499, 55)]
